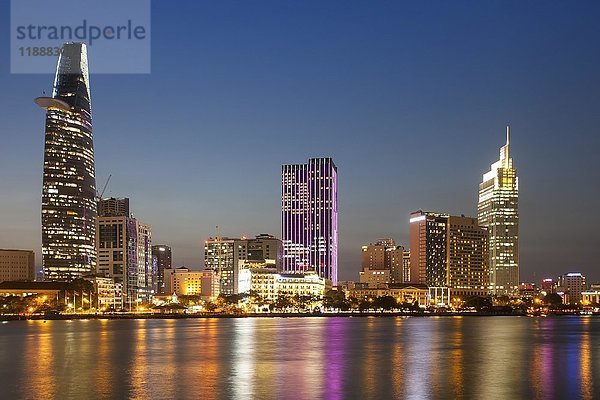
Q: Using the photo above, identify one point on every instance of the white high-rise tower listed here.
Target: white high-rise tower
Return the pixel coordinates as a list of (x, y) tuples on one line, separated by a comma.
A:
[(498, 209)]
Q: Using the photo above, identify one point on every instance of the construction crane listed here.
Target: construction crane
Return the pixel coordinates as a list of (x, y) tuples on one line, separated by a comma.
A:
[(101, 194)]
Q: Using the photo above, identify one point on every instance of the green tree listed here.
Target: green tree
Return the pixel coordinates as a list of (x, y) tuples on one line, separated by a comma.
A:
[(366, 303), (283, 302), (553, 299), (479, 302), (336, 299), (385, 303), (82, 291), (210, 306)]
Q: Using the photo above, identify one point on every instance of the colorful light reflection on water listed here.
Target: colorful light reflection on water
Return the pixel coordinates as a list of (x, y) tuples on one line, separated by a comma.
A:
[(302, 358)]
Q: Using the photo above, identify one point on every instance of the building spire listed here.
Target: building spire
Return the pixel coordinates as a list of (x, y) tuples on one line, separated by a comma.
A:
[(507, 135)]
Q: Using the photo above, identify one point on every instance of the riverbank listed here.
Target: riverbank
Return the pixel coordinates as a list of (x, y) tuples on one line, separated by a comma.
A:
[(270, 315)]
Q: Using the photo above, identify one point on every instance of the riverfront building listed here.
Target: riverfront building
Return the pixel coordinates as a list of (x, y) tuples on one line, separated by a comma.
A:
[(228, 256), (17, 265), (269, 284), (572, 285), (69, 180), (417, 294), (449, 252), (125, 254), (498, 210), (161, 260), (182, 281), (309, 217), (383, 260)]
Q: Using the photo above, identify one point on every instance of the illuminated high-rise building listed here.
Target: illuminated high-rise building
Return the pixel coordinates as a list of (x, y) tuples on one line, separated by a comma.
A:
[(498, 209), (309, 217), (428, 248), (125, 253), (449, 252), (161, 260), (69, 182), (572, 285), (228, 256)]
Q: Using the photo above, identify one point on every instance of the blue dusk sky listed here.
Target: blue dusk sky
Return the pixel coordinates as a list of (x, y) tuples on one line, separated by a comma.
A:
[(411, 100)]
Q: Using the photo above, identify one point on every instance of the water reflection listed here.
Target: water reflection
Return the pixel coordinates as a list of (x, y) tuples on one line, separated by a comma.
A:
[(399, 364), (585, 359), (419, 360), (301, 358), (456, 357), (243, 377), (40, 353)]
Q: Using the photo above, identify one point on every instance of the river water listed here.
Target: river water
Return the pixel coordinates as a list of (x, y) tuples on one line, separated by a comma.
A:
[(302, 358)]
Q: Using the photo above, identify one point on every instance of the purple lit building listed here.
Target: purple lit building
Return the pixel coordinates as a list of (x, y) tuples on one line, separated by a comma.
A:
[(309, 217)]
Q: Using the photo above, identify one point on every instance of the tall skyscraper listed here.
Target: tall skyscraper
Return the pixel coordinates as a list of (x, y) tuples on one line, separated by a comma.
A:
[(428, 248), (69, 182), (220, 255), (161, 260), (498, 209), (309, 217), (125, 253), (449, 251)]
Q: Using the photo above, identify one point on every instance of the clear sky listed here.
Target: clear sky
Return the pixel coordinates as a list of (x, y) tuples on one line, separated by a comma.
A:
[(411, 100)]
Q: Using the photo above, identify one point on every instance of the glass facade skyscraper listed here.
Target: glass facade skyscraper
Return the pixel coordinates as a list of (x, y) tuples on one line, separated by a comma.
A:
[(69, 184), (309, 217), (161, 260), (498, 209)]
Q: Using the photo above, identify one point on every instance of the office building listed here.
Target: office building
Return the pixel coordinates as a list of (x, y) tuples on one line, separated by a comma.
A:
[(373, 255), (113, 207), (17, 265), (498, 210), (449, 252), (228, 255), (572, 285), (161, 260), (548, 286), (263, 248), (428, 248), (374, 277), (395, 262), (382, 262), (309, 217), (184, 282), (125, 254), (221, 255), (406, 266), (467, 257), (69, 180)]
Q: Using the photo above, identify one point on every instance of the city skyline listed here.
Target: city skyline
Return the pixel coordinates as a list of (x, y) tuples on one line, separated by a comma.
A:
[(377, 194)]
